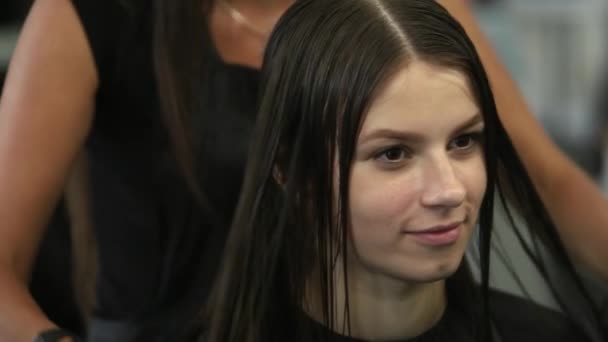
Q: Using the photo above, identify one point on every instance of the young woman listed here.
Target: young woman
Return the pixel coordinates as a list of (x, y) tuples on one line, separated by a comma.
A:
[(377, 153)]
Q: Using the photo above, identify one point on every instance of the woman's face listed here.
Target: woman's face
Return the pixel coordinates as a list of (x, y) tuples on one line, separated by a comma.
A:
[(418, 177)]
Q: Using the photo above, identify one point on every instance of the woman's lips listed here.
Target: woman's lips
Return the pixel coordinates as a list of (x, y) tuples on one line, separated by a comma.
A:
[(438, 235)]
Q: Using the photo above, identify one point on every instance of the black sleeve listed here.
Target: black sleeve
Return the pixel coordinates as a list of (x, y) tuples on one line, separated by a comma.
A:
[(102, 22)]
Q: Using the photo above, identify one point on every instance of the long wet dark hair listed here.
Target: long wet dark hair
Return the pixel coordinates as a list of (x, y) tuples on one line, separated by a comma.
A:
[(323, 65)]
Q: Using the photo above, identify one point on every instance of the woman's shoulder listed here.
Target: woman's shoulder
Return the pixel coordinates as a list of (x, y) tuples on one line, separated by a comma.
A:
[(107, 23), (109, 9), (104, 16), (520, 319)]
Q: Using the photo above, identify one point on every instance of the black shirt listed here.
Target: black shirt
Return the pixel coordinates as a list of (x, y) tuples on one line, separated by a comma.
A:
[(514, 319), (157, 246)]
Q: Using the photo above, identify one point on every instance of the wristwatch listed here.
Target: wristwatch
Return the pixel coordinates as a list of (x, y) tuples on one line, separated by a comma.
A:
[(53, 335)]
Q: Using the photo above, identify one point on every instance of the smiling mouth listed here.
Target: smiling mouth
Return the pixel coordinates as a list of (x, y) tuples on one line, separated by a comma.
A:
[(438, 235)]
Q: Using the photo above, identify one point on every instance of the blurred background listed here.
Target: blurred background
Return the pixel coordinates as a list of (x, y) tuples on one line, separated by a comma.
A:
[(12, 13), (557, 52)]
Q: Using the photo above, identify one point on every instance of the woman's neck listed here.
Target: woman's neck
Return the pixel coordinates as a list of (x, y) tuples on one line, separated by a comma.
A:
[(240, 28), (385, 309)]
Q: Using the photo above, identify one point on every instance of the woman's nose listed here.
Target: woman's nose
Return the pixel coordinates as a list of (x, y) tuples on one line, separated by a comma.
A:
[(442, 187)]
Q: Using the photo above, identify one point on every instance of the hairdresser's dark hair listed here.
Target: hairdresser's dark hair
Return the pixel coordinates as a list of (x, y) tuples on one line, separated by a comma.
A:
[(179, 39), (323, 65)]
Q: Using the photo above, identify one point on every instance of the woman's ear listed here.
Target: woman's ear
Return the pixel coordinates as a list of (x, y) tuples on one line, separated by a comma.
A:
[(278, 176), (279, 168)]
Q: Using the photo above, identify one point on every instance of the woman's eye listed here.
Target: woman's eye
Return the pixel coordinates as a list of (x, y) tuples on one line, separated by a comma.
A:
[(465, 141), (393, 154)]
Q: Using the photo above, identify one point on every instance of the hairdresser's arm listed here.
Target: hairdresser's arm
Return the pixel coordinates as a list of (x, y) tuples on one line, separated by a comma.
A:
[(574, 202), (45, 114)]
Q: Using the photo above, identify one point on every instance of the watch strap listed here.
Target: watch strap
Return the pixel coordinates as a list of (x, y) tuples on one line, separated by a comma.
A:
[(52, 335)]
